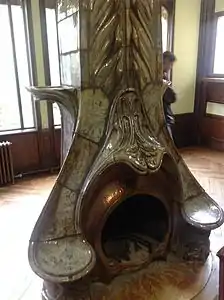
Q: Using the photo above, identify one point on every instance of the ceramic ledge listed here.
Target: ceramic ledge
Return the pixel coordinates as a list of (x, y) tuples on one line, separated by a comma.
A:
[(203, 212), (62, 260)]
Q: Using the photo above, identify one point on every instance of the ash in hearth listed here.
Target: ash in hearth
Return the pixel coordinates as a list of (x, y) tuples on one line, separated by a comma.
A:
[(134, 248)]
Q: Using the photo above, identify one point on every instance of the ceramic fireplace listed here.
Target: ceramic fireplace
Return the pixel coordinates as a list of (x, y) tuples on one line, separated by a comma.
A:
[(124, 196)]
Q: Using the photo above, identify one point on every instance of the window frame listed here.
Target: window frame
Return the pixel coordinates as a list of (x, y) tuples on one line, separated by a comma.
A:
[(15, 64)]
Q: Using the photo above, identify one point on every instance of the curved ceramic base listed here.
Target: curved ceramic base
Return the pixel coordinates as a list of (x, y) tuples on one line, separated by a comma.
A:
[(160, 281)]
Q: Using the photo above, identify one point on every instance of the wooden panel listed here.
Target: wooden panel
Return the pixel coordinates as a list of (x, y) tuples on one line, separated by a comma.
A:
[(34, 151), (47, 149), (212, 132), (24, 150), (184, 130), (215, 92), (211, 127)]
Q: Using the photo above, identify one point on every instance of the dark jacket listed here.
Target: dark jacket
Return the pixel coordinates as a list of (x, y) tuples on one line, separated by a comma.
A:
[(169, 97)]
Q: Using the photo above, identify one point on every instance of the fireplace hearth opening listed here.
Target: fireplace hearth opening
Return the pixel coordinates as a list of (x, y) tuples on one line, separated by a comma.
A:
[(136, 231)]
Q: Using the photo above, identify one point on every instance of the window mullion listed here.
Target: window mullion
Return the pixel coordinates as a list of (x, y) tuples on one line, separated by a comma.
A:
[(27, 42), (28, 53), (15, 66)]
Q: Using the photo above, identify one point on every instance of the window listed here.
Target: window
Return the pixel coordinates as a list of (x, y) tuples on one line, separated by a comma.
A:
[(52, 38), (64, 64), (165, 33), (68, 29), (16, 107), (219, 48)]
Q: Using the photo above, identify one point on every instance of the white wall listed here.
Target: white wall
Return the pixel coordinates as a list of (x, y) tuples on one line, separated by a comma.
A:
[(215, 109), (219, 5), (186, 34)]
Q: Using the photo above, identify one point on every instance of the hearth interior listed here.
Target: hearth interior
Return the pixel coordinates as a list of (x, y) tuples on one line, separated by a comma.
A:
[(135, 229)]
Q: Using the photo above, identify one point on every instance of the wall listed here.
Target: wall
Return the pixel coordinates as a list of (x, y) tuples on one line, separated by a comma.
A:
[(219, 5), (186, 33)]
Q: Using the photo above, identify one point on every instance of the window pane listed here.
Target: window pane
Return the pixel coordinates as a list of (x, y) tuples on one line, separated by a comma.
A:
[(22, 64), (9, 110), (56, 114), (66, 70), (70, 66), (219, 50), (165, 17), (69, 34)]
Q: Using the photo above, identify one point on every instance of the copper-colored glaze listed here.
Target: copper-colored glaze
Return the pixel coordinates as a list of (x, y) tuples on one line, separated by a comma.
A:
[(113, 194)]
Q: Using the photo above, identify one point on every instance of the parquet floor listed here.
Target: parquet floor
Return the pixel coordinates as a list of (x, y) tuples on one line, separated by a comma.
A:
[(21, 204)]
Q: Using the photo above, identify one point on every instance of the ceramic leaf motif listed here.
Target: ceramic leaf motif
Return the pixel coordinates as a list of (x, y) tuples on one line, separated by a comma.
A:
[(122, 44)]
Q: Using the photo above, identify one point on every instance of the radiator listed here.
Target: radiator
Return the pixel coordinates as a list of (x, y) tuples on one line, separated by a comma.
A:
[(6, 164)]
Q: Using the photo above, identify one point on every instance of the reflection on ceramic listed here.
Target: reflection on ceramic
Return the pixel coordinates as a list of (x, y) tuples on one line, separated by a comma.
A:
[(161, 281), (203, 211)]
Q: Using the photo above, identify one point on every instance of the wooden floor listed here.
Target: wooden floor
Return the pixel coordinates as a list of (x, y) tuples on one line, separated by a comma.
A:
[(21, 204), (208, 167)]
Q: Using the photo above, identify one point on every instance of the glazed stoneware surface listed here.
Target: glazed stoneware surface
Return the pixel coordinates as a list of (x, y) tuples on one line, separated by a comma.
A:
[(116, 109)]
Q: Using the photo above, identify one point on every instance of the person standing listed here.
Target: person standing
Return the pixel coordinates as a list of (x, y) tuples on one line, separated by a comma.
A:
[(169, 96)]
